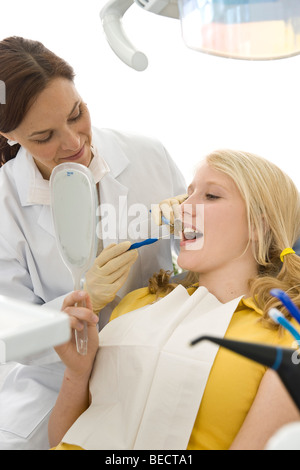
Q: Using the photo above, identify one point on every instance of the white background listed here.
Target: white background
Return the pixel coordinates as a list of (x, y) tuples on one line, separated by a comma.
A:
[(192, 102)]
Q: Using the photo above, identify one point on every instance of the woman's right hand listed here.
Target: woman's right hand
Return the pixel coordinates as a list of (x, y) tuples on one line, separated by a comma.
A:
[(79, 365), (170, 209)]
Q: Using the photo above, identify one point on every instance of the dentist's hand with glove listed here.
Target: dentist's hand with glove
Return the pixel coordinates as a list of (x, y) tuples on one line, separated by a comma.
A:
[(109, 273), (170, 209)]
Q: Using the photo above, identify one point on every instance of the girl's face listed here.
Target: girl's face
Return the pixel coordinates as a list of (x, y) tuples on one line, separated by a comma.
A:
[(224, 225), (57, 128)]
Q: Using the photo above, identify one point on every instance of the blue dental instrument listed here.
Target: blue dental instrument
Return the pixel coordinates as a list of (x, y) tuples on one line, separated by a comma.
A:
[(165, 220), (279, 318), (287, 302), (148, 241)]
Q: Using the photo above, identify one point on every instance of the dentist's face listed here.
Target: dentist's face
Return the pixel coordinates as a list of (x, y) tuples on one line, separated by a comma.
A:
[(57, 128), (225, 225)]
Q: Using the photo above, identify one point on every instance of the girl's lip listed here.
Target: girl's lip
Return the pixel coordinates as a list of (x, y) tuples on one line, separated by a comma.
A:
[(184, 242), (195, 244), (76, 156)]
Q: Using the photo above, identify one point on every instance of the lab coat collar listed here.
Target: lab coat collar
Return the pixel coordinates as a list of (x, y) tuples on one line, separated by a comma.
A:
[(31, 186), (98, 165), (110, 147), (34, 189)]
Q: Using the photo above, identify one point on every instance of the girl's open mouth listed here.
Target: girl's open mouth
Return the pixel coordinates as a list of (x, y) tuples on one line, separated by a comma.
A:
[(191, 235)]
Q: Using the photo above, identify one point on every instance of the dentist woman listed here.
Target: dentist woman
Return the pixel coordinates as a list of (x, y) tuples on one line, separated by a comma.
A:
[(43, 123)]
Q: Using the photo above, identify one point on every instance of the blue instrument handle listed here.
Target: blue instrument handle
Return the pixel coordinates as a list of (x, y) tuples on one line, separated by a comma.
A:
[(164, 220), (149, 241), (287, 302)]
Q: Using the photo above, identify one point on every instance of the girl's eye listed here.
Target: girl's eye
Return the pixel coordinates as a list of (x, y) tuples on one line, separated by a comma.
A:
[(212, 196)]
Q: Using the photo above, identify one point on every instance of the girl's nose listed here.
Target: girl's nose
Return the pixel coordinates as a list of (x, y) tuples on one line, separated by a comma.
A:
[(187, 207), (192, 213)]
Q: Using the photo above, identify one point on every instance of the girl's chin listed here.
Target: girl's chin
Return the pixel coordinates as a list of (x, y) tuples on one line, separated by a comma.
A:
[(186, 261)]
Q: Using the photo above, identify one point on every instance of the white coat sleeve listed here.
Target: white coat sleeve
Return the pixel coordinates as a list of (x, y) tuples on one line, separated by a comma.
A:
[(15, 280)]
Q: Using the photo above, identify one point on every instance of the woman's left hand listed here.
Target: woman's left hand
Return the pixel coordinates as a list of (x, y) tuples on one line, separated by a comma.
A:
[(77, 364)]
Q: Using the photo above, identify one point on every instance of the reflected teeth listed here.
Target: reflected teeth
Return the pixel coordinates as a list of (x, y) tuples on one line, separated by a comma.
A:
[(191, 234)]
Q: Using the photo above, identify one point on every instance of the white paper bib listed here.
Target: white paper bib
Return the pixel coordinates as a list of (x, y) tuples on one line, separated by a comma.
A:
[(148, 382)]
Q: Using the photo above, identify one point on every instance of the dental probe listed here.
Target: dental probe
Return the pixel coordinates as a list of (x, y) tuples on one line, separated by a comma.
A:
[(177, 229), (148, 241), (166, 221), (177, 224)]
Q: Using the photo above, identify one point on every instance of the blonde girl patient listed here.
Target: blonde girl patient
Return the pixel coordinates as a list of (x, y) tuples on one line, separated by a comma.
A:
[(251, 216)]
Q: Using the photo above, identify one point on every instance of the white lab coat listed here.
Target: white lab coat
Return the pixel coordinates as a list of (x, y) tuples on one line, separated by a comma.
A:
[(31, 268)]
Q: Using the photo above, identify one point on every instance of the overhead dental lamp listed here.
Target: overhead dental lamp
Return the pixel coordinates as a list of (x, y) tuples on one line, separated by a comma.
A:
[(239, 29)]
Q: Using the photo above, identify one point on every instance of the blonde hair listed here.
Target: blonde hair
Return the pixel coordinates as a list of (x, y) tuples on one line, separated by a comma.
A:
[(273, 207)]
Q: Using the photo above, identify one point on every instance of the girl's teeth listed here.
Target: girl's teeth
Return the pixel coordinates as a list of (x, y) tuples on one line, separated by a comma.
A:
[(191, 234)]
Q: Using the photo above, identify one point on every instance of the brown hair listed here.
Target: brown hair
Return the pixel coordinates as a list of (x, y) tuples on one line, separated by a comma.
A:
[(26, 69)]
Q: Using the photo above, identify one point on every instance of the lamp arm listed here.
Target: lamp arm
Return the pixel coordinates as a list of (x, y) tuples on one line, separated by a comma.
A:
[(111, 16)]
